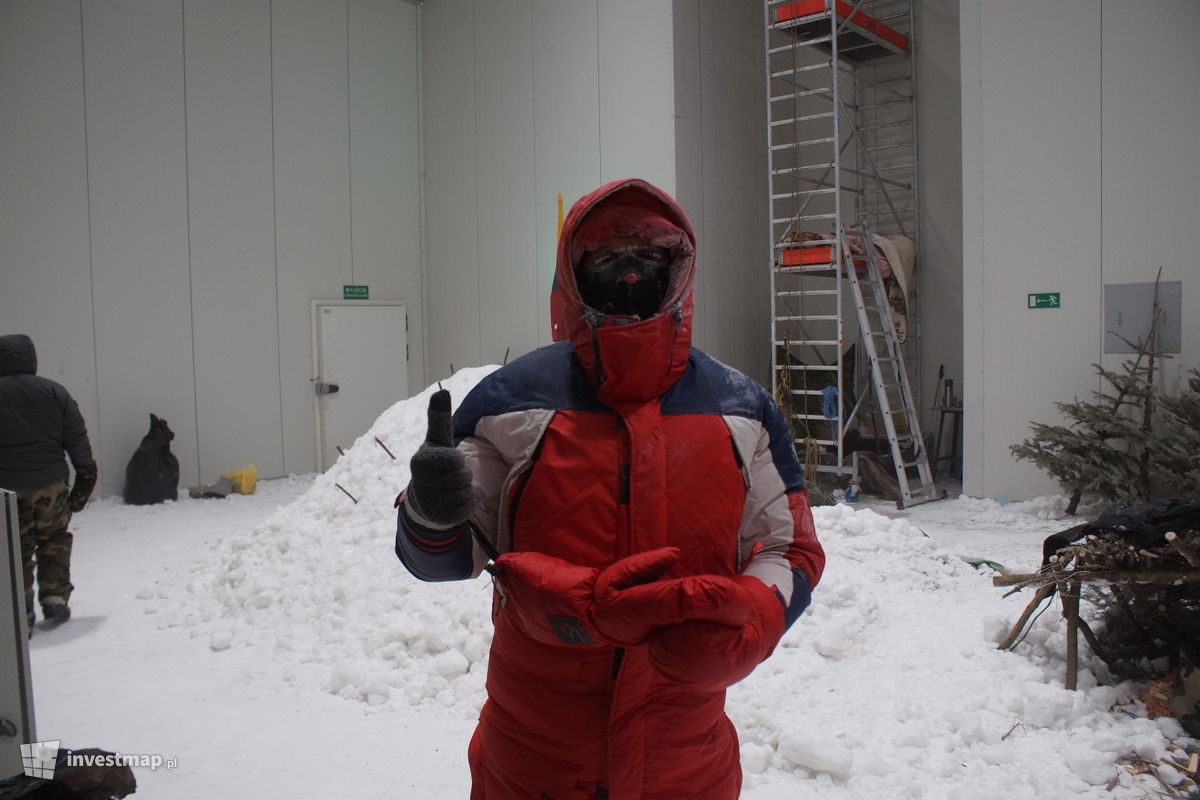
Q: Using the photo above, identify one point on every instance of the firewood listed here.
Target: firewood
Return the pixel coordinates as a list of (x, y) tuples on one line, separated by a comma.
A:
[(1105, 576), (1184, 549)]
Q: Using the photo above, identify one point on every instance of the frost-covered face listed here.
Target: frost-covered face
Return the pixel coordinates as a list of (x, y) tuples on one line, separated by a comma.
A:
[(626, 277)]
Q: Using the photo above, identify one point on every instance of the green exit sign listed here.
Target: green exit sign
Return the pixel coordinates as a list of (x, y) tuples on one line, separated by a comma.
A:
[(352, 291), (1045, 300)]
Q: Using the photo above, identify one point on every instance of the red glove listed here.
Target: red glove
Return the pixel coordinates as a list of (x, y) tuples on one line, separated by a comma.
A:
[(551, 599), (704, 631)]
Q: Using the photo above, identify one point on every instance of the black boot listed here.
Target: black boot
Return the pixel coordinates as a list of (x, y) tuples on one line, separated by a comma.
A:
[(56, 612)]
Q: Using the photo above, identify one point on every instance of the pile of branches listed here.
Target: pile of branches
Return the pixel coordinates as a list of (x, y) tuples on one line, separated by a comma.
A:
[(1146, 594), (1139, 566)]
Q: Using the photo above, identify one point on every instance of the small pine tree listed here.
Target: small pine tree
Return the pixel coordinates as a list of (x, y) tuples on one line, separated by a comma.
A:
[(1176, 446), (1104, 451), (1100, 451)]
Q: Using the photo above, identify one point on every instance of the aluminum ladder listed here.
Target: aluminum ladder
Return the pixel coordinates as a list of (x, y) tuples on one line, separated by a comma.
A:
[(893, 395)]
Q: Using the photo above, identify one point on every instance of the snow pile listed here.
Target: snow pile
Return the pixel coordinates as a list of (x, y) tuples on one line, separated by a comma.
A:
[(889, 686), (319, 585)]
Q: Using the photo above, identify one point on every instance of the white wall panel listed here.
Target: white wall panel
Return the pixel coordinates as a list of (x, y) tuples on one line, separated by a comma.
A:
[(504, 103), (1040, 63), (231, 202), (45, 269), (734, 134), (689, 145), (312, 195), (566, 124), (133, 62), (637, 91), (385, 161), (973, 377), (513, 93), (451, 229), (1151, 165), (721, 174), (939, 272)]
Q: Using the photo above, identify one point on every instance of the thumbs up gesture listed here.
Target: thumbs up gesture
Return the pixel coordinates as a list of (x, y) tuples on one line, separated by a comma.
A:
[(440, 493)]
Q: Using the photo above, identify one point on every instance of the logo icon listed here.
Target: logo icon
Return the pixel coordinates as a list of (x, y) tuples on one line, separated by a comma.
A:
[(39, 758), (569, 630)]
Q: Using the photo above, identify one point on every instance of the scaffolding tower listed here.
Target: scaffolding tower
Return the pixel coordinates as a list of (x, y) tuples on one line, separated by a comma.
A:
[(842, 153)]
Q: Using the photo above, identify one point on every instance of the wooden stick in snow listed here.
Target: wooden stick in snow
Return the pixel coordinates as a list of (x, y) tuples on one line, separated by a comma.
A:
[(1070, 601), (379, 442), (1010, 641)]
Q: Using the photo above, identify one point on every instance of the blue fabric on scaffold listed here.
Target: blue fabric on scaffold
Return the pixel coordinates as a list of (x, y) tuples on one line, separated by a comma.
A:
[(829, 402)]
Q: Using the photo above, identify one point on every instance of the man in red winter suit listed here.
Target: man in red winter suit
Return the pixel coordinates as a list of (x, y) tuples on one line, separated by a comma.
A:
[(644, 515)]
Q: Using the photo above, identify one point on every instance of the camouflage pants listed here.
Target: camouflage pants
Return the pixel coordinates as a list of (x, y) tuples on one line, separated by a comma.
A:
[(43, 517)]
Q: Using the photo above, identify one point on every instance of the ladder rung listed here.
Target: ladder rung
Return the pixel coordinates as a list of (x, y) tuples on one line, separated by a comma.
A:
[(808, 68), (824, 270), (806, 293), (797, 317), (805, 118), (783, 26), (815, 342), (807, 367), (827, 442), (809, 416), (813, 392), (806, 92), (799, 167), (800, 245), (804, 193)]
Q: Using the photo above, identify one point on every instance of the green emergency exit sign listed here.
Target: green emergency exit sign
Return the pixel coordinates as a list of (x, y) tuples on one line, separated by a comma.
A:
[(1045, 300), (352, 291)]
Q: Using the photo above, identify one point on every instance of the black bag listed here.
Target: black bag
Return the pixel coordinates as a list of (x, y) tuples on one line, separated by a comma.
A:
[(1145, 525), (105, 778), (153, 473)]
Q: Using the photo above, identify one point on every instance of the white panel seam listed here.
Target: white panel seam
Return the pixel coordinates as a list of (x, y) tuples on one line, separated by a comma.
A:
[(87, 177), (187, 207)]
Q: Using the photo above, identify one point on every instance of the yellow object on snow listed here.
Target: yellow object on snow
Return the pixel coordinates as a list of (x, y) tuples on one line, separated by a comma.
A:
[(245, 480)]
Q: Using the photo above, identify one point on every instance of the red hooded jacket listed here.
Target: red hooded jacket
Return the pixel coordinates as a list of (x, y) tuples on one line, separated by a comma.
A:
[(619, 439)]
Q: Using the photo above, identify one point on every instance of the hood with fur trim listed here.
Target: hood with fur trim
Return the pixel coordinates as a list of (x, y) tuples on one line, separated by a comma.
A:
[(629, 360)]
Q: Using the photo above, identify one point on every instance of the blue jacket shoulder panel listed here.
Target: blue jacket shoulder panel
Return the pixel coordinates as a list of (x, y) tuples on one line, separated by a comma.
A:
[(710, 387), (547, 378)]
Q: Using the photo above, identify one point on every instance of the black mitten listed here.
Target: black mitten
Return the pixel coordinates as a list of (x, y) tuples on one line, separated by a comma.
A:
[(440, 491), (85, 482)]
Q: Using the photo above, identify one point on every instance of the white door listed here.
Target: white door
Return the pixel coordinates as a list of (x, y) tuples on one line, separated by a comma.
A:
[(362, 369)]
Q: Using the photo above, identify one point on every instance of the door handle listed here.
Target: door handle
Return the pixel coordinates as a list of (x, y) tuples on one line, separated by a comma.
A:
[(327, 388)]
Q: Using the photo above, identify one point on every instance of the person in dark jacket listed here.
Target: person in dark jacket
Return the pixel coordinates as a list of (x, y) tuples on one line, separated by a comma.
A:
[(645, 517), (39, 422)]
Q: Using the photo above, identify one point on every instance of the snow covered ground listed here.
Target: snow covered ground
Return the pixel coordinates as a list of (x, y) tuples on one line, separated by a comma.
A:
[(275, 647)]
